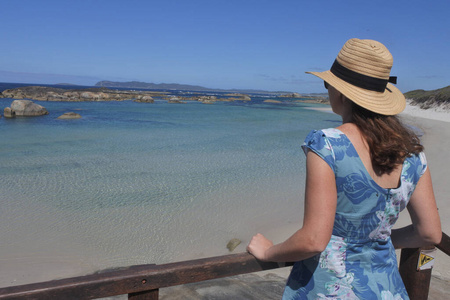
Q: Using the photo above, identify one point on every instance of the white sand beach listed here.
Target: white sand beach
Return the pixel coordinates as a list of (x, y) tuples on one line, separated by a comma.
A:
[(438, 113), (436, 139)]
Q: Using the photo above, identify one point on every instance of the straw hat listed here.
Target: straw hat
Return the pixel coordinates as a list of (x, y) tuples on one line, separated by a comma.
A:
[(361, 73)]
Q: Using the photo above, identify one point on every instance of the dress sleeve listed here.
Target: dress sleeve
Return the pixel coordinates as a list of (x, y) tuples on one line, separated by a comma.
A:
[(319, 143), (424, 164)]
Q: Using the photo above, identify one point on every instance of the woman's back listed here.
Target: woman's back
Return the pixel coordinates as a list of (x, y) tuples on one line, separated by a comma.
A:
[(359, 260), (391, 180)]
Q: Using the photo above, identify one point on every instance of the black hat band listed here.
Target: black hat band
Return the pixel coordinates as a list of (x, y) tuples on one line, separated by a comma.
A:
[(360, 80)]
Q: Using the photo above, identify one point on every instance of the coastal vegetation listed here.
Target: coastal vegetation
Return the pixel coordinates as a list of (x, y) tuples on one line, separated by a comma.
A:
[(429, 99)]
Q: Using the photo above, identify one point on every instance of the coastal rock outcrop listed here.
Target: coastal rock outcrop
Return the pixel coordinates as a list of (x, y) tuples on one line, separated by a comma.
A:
[(207, 99), (175, 100), (272, 101), (69, 116), (241, 97), (292, 95), (144, 99), (42, 93), (45, 93), (26, 108)]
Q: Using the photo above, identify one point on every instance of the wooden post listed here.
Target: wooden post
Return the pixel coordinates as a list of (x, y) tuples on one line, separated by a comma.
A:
[(417, 282)]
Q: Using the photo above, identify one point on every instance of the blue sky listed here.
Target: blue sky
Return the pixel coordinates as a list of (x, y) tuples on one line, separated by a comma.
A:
[(245, 44)]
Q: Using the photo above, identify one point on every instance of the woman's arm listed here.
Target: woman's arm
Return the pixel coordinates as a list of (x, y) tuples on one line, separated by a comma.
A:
[(426, 225), (320, 208)]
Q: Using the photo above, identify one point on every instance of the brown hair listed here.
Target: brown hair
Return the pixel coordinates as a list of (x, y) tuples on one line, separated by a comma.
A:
[(389, 141)]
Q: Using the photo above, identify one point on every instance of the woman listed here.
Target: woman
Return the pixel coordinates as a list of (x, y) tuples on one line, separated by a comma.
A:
[(360, 175)]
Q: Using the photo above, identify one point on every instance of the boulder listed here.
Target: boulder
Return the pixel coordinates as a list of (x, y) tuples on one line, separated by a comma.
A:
[(207, 99), (175, 100), (272, 101), (27, 108), (293, 95), (144, 98), (9, 113), (69, 115)]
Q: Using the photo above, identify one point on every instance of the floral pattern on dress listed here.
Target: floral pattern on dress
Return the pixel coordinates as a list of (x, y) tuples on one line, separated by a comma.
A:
[(354, 186), (359, 262), (333, 259), (386, 295)]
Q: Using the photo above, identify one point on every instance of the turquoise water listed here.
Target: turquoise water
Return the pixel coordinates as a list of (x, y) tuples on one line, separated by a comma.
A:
[(134, 183)]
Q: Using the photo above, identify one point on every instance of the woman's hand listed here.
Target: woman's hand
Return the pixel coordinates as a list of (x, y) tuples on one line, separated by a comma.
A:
[(258, 246)]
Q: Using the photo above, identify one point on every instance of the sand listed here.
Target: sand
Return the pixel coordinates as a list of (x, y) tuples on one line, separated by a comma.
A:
[(435, 113), (436, 140)]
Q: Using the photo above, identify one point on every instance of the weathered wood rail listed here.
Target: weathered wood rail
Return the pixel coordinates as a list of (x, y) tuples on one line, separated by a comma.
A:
[(417, 282), (144, 281), (139, 282)]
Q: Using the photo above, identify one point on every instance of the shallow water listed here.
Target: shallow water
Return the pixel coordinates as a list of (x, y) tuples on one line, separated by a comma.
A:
[(133, 183)]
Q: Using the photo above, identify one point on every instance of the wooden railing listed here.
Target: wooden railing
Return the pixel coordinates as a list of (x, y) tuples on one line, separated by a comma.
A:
[(144, 281), (139, 282), (417, 282)]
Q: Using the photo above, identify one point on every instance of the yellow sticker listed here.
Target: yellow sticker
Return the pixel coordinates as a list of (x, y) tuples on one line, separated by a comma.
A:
[(426, 259)]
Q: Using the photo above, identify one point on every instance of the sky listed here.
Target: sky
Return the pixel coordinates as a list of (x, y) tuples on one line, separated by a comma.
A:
[(224, 44)]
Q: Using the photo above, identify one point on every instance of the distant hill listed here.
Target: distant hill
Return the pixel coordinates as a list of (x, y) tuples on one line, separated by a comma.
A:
[(150, 86), (172, 86), (427, 99)]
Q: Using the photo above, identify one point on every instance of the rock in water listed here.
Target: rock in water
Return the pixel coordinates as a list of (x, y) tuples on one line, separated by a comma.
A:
[(232, 244), (69, 115), (8, 113), (272, 101), (144, 99), (27, 108)]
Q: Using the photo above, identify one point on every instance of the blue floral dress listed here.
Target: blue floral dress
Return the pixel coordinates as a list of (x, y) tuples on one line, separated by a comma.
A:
[(359, 261)]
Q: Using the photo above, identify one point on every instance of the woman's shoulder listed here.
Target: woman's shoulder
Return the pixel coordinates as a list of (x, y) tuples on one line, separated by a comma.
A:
[(326, 132), (416, 163), (324, 139)]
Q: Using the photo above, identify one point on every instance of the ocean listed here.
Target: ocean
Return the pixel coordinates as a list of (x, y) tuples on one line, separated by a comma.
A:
[(135, 183)]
